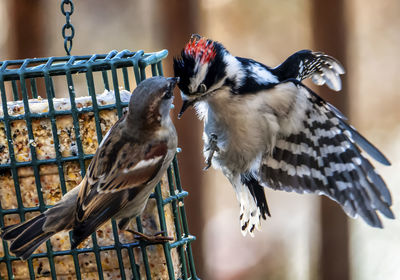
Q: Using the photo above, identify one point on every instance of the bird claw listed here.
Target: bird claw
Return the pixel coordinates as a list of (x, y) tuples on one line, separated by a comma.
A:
[(208, 163), (212, 147)]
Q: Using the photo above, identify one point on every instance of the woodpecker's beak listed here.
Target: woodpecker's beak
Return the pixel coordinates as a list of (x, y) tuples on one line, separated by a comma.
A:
[(186, 104)]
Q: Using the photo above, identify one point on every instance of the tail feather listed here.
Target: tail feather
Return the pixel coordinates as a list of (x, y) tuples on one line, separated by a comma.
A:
[(27, 236), (11, 232), (257, 192), (25, 251), (30, 234), (83, 230), (78, 235), (100, 214)]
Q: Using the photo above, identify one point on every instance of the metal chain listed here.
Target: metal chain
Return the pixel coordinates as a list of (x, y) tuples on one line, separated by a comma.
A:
[(67, 8)]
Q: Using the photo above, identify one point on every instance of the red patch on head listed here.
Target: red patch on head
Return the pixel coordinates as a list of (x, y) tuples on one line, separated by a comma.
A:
[(202, 50)]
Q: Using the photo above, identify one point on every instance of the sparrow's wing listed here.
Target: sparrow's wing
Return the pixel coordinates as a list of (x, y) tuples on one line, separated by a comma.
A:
[(132, 165), (121, 163), (119, 170), (317, 151), (321, 68), (129, 167)]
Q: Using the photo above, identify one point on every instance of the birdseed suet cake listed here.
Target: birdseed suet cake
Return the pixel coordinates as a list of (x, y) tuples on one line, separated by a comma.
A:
[(51, 189)]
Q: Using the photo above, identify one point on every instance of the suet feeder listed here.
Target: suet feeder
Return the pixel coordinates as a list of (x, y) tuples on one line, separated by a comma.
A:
[(54, 111)]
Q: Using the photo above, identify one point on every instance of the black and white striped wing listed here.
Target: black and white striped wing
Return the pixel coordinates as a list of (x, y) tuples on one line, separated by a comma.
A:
[(320, 67), (322, 155)]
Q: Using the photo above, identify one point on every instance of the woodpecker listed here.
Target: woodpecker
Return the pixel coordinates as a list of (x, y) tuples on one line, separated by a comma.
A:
[(264, 128)]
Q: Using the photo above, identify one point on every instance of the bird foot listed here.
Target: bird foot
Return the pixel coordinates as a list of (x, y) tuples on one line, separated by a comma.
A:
[(153, 239), (212, 147)]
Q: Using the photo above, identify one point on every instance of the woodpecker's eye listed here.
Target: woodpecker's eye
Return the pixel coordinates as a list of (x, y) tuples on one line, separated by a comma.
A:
[(202, 88)]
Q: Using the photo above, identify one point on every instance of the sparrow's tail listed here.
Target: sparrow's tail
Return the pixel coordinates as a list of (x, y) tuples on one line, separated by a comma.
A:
[(27, 236)]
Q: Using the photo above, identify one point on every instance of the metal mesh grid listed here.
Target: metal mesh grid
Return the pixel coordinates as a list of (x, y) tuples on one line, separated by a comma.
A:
[(117, 64)]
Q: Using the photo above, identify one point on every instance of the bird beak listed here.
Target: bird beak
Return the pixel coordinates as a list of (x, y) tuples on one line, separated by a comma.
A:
[(196, 37), (186, 104), (173, 82)]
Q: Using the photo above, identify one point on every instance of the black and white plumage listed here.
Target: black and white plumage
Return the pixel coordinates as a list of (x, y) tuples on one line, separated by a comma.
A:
[(264, 128), (124, 171)]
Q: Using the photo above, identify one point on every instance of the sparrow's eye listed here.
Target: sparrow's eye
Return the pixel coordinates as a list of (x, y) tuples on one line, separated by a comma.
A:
[(167, 94), (202, 88)]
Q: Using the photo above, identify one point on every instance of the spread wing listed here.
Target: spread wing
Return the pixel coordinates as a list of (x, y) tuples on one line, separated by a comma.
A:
[(119, 170), (317, 151), (321, 68)]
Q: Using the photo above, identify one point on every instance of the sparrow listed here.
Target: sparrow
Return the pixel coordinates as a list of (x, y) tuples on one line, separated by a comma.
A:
[(127, 165), (264, 128)]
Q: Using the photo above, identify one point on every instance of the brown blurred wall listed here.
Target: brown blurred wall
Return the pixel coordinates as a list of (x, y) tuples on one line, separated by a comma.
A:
[(180, 20), (26, 40), (329, 31)]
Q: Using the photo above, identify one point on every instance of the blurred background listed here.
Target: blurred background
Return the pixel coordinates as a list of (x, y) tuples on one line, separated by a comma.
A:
[(307, 237)]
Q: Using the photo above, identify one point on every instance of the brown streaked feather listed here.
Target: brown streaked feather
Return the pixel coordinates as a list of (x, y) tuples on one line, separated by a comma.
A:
[(136, 169), (116, 167), (98, 210), (107, 152)]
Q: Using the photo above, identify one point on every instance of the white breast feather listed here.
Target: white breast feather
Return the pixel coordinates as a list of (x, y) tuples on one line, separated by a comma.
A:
[(143, 164)]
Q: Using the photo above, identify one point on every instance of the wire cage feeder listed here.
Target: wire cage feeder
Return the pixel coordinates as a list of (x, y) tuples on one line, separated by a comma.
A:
[(53, 114)]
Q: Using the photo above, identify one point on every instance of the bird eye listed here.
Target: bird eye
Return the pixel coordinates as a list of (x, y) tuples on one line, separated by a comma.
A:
[(167, 94), (202, 88)]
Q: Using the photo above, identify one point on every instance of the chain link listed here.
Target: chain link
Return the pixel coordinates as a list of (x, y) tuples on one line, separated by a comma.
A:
[(68, 30)]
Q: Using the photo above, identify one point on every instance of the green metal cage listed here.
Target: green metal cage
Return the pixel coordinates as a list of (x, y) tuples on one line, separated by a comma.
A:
[(21, 80)]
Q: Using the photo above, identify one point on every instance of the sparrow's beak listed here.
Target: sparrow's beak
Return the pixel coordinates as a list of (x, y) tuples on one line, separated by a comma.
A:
[(173, 82), (186, 104)]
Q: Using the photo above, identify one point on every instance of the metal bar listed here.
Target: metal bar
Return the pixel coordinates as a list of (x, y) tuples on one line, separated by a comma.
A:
[(46, 161), (160, 69), (14, 89), (142, 69), (135, 63), (119, 112), (183, 241), (34, 88), (91, 250), (177, 224), (50, 95), (153, 70), (166, 245), (116, 89), (14, 173), (64, 112), (32, 151), (75, 120), (105, 80), (80, 66), (143, 250), (92, 93), (81, 159), (126, 79), (84, 250), (96, 251), (178, 196), (124, 70), (134, 266), (118, 249), (184, 220)]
